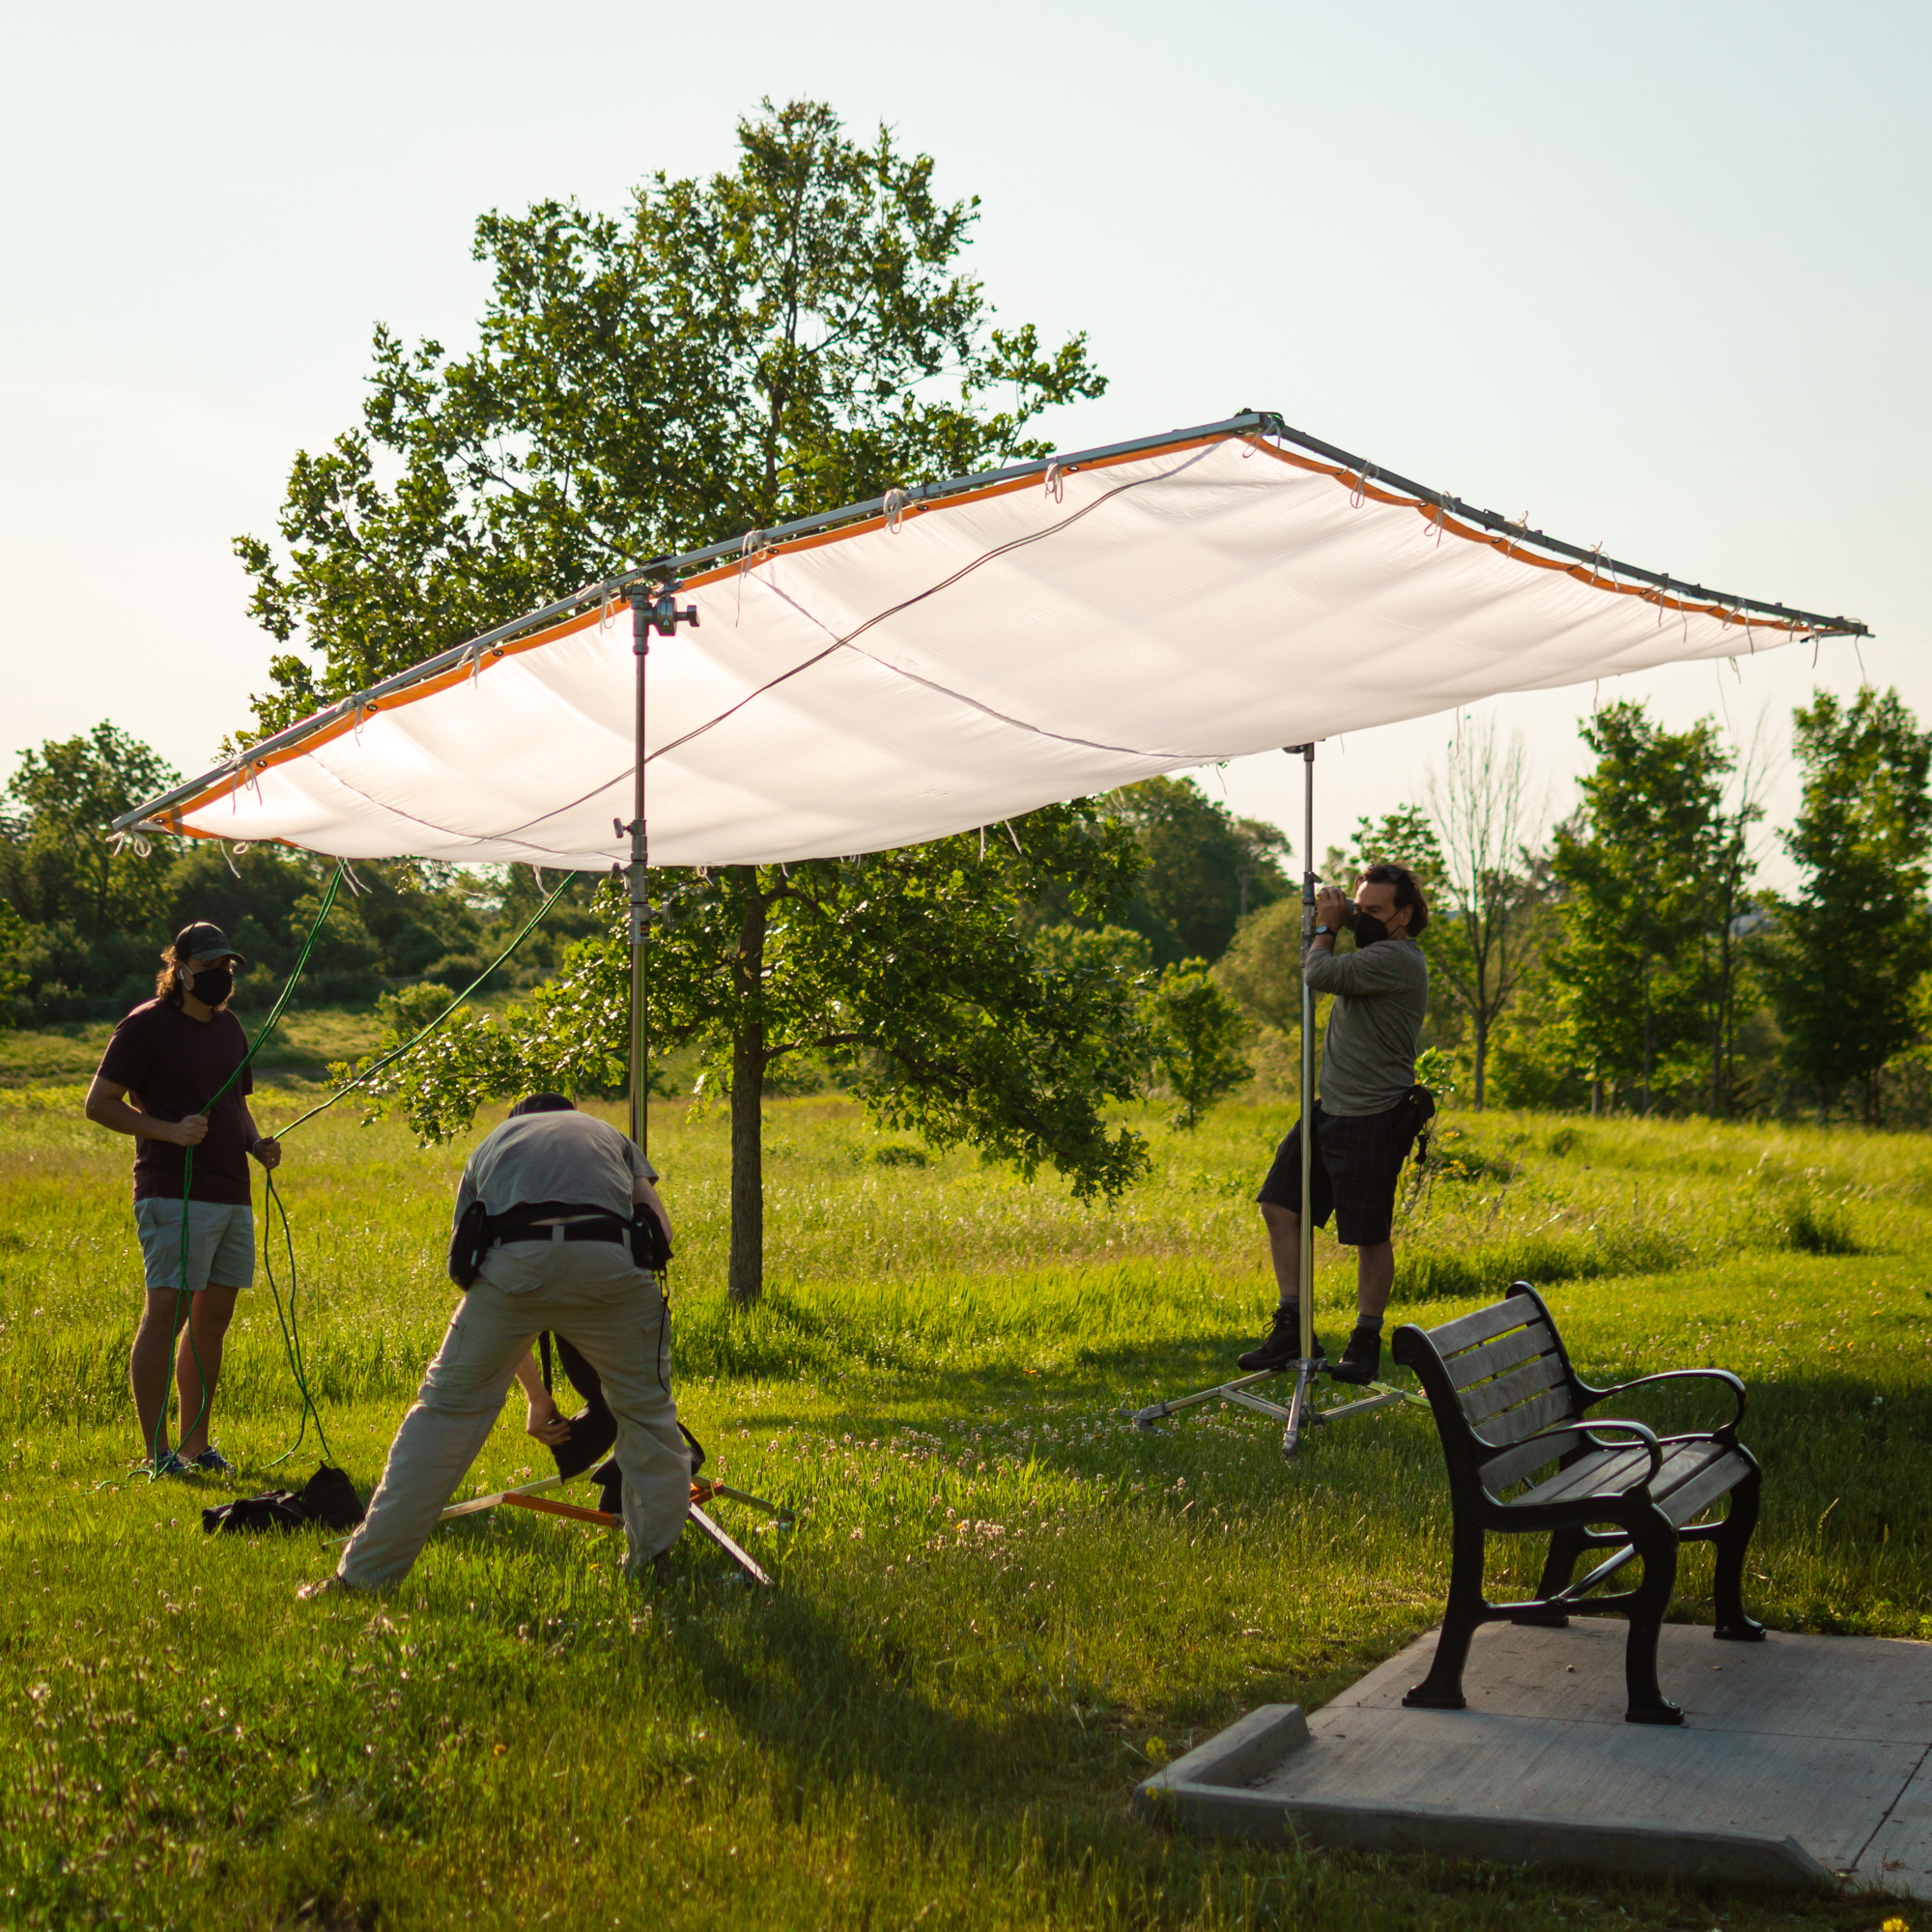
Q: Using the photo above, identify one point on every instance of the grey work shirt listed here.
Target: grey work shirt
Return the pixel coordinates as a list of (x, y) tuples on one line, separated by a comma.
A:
[(1382, 992), (560, 1156)]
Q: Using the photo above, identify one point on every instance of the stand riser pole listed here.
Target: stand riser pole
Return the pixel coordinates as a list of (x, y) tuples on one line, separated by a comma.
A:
[(641, 892)]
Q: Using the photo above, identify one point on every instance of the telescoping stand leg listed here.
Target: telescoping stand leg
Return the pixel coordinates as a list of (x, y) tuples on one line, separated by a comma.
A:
[(1302, 1411)]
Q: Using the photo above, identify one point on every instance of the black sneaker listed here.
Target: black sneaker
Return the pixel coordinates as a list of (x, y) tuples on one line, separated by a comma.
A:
[(1361, 1360), (1283, 1345)]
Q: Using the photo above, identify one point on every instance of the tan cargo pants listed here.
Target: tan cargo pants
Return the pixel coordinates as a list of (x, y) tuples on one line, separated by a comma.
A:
[(613, 1311)]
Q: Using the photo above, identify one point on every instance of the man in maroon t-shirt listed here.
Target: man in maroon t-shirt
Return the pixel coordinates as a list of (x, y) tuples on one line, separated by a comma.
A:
[(166, 1062)]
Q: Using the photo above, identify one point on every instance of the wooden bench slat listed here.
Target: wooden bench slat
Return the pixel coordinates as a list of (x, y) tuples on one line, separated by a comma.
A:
[(1496, 1358), (1467, 1330), (1724, 1472), (1603, 1472), (1530, 1418), (1512, 1464), (1488, 1399)]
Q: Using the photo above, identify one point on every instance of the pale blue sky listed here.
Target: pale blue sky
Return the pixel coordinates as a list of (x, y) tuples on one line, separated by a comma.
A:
[(1658, 274)]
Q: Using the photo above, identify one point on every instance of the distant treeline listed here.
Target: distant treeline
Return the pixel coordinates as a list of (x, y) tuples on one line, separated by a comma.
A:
[(1624, 958)]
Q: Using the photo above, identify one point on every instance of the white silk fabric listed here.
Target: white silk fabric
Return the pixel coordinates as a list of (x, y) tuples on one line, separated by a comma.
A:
[(965, 661)]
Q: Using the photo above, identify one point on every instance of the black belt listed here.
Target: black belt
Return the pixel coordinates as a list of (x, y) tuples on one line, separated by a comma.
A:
[(608, 1228)]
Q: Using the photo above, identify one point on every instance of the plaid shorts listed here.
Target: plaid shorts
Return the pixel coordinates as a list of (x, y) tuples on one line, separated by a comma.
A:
[(1357, 1160)]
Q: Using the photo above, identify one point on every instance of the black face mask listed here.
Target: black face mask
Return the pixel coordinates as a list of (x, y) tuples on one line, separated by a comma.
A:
[(212, 984), (1367, 929)]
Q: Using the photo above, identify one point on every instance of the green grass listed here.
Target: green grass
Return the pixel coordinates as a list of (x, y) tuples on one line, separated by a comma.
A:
[(1000, 1602)]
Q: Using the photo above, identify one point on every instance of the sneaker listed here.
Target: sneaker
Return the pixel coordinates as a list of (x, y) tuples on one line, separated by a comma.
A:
[(166, 1464), (210, 1463), (1361, 1360), (1283, 1343)]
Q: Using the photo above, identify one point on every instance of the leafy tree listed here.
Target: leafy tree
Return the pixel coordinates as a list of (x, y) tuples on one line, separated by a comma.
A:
[(60, 865), (1198, 1034), (913, 963), (12, 939), (1204, 869), (1644, 864), (784, 338), (1852, 946)]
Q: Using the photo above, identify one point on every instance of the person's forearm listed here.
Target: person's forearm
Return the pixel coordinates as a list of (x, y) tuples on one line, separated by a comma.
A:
[(122, 1119), (531, 1378)]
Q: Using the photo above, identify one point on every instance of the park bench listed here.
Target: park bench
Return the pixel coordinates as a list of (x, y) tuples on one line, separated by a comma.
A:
[(1507, 1405)]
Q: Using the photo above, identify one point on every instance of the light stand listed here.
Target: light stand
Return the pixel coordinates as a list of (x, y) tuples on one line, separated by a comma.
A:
[(649, 611), (1302, 1411)]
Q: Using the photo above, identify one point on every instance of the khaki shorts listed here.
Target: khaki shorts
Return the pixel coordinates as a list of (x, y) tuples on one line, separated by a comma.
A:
[(220, 1243)]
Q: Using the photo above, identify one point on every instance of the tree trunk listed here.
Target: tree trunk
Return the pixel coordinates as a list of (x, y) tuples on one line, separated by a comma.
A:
[(747, 1277), (1482, 1031)]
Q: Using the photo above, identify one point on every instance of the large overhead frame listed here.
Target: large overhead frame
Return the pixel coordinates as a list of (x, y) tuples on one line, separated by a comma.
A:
[(1713, 624)]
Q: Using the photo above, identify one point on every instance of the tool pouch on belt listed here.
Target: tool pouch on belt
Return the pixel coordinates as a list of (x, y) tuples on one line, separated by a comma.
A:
[(1424, 1103), (648, 1248), (467, 1245)]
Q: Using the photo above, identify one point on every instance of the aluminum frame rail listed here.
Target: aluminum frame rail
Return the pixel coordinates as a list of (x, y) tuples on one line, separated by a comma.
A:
[(146, 817)]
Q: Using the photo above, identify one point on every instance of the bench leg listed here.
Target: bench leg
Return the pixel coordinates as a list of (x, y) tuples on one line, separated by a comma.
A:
[(1442, 1689), (1558, 1568), (1656, 1542), (1732, 1541)]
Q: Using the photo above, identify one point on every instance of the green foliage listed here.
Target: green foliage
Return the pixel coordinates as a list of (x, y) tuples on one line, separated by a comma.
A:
[(13, 980), (1204, 868), (62, 868), (910, 963), (784, 339), (1851, 947), (1654, 868), (1197, 1034)]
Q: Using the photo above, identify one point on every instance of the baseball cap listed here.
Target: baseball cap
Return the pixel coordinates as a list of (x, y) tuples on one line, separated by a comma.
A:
[(199, 943)]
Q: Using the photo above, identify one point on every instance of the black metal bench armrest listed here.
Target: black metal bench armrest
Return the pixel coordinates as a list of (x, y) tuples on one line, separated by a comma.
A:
[(1724, 1376), (1641, 1432)]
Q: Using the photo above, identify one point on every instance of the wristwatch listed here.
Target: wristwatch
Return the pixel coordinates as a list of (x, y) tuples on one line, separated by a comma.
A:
[(1322, 932)]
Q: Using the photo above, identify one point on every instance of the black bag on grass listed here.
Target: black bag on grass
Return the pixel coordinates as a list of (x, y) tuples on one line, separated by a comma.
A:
[(329, 1497)]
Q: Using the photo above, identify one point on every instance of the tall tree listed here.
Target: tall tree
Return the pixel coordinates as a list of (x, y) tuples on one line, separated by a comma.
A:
[(915, 964), (1638, 861), (1486, 815), (784, 338), (58, 864), (791, 336), (1851, 945)]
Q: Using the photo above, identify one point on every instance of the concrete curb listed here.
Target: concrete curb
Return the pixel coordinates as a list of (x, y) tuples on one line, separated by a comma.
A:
[(1209, 1791)]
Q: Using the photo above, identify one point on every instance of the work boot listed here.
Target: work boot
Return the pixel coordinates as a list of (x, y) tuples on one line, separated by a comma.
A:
[(1362, 1359), (1283, 1343)]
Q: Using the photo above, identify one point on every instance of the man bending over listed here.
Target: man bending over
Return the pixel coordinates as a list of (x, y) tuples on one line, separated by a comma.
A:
[(569, 1269), (1365, 1121)]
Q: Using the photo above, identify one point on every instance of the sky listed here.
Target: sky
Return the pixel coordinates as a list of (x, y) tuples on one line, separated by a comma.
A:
[(1657, 276)]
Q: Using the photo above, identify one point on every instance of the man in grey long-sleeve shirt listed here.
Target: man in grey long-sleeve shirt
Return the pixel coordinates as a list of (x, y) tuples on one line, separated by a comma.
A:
[(1367, 1116)]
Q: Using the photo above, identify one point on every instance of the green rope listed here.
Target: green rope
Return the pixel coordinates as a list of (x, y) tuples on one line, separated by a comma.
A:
[(184, 1296), (395, 1053)]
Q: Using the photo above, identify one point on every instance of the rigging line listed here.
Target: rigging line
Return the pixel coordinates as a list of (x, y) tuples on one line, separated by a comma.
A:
[(932, 590), (395, 1053)]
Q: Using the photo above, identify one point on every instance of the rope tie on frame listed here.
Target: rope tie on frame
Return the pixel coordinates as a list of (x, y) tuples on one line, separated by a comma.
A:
[(895, 500)]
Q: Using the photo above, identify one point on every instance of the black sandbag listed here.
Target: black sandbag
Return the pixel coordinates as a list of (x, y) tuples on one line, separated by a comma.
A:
[(329, 1497), (593, 1429)]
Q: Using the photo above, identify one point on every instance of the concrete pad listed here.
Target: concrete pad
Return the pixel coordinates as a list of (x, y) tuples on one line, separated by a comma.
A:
[(1801, 1758)]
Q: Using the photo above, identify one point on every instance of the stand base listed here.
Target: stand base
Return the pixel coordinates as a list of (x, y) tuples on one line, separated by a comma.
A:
[(1302, 1413)]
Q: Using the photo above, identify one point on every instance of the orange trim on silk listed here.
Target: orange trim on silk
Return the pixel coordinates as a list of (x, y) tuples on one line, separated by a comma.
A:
[(1353, 481)]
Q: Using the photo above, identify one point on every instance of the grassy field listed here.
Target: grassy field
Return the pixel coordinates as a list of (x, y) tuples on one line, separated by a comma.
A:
[(1000, 1603)]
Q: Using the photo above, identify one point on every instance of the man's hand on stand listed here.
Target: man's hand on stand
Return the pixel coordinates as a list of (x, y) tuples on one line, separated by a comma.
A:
[(1331, 909)]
